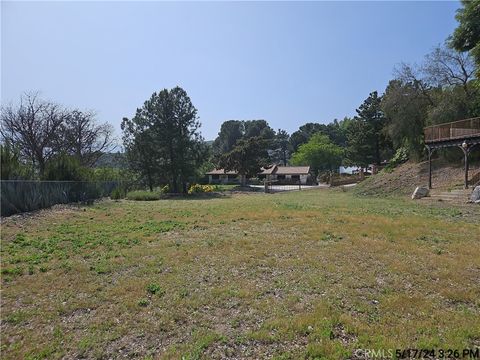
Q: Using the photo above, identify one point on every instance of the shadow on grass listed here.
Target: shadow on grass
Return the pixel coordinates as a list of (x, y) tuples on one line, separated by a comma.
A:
[(199, 196), (225, 194)]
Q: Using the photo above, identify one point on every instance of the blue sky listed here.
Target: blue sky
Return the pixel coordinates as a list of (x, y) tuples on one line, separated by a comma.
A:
[(286, 62)]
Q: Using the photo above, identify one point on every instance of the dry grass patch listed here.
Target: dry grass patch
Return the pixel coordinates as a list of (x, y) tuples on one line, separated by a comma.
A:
[(312, 274)]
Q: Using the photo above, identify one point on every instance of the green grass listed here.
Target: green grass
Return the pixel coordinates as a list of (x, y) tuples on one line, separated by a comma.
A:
[(301, 275), (143, 195)]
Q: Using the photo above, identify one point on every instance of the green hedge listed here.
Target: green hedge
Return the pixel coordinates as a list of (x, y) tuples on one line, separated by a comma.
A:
[(21, 196)]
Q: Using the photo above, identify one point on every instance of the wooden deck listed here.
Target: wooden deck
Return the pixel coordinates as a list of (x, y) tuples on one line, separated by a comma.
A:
[(462, 129), (464, 134)]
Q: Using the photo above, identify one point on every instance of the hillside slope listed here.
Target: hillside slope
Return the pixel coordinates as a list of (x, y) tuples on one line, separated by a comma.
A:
[(403, 179)]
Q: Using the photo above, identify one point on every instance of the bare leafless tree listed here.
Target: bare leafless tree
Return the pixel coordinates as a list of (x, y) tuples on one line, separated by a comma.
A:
[(443, 67), (86, 139), (447, 67), (413, 75), (41, 129), (34, 126)]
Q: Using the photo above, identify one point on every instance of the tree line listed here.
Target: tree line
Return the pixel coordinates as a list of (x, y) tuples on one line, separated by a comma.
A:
[(163, 144)]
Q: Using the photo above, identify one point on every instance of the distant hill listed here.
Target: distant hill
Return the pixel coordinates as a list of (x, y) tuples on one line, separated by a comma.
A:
[(113, 160)]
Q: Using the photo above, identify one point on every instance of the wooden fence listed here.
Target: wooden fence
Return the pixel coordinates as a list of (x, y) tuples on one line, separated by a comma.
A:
[(21, 196)]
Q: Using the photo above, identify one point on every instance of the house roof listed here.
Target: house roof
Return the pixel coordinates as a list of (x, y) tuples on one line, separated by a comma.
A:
[(221, 172), (286, 170), (267, 171), (292, 170)]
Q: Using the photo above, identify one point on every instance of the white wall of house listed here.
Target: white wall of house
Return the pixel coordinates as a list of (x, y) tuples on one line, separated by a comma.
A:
[(348, 169), (303, 179)]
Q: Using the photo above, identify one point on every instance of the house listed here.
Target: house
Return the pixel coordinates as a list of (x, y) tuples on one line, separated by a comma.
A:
[(220, 176), (349, 170), (286, 174)]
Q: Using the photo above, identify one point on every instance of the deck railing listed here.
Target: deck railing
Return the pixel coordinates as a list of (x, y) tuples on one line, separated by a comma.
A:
[(461, 129)]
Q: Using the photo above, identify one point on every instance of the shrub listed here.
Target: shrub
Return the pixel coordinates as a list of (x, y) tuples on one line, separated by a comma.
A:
[(197, 188), (64, 167), (143, 195), (154, 289), (143, 302), (165, 189), (401, 156), (117, 194)]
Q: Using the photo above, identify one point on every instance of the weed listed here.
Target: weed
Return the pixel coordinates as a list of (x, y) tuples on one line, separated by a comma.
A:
[(155, 289), (143, 302)]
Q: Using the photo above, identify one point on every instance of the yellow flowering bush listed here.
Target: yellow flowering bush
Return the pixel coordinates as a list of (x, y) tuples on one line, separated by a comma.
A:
[(197, 188)]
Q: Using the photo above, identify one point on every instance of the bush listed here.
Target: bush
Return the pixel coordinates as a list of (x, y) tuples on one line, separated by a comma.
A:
[(143, 302), (117, 194), (197, 189), (165, 189), (66, 168), (154, 289), (143, 195), (401, 156)]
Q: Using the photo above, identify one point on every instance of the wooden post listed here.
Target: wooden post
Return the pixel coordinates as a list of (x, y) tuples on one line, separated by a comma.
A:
[(466, 169), (429, 167), (465, 150)]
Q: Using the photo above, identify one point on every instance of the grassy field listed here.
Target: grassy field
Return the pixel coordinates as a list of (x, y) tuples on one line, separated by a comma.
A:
[(311, 274)]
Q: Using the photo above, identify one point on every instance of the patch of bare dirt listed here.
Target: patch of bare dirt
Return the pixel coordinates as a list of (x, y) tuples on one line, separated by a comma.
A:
[(22, 218)]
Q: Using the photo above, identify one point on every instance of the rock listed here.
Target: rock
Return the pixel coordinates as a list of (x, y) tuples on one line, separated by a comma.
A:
[(420, 192), (475, 197)]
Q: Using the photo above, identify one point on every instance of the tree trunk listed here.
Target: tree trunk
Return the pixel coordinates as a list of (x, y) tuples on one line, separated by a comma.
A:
[(150, 182), (377, 151)]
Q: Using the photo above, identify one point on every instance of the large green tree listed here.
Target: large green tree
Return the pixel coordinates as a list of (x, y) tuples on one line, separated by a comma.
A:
[(406, 107), (360, 150), (258, 128), (247, 157), (233, 130), (281, 147), (466, 36), (167, 128), (320, 153), (142, 159), (334, 130), (230, 132), (304, 133), (368, 139), (440, 90)]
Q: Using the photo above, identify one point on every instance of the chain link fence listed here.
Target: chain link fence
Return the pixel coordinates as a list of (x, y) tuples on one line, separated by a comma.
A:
[(19, 196)]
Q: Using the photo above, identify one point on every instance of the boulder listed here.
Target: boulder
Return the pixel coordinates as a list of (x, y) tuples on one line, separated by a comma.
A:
[(420, 192), (475, 197)]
